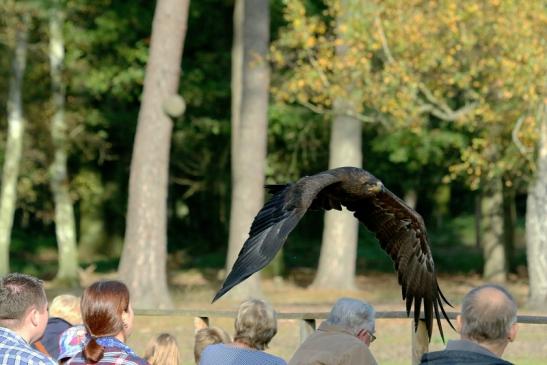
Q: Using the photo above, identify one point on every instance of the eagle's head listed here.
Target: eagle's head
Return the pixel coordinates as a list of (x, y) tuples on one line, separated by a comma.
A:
[(375, 187)]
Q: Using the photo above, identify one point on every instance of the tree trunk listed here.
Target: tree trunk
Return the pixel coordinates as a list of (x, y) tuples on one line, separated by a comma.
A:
[(340, 234), (509, 224), (411, 198), (536, 225), (143, 261), (478, 220), (252, 20), (92, 230), (237, 76), (14, 143), (495, 264), (65, 227)]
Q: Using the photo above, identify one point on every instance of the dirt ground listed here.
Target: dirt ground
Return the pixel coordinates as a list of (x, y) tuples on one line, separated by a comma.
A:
[(191, 290)]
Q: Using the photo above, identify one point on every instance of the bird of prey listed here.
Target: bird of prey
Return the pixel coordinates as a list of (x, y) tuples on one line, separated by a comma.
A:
[(399, 229)]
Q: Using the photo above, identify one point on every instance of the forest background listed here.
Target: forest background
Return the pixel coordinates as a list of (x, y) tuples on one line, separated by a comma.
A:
[(441, 100)]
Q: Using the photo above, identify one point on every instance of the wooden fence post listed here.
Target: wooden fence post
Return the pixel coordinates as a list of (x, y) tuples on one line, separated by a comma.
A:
[(307, 327), (420, 341)]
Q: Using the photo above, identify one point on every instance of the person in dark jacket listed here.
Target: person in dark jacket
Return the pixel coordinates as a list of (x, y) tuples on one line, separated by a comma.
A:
[(64, 312), (487, 323)]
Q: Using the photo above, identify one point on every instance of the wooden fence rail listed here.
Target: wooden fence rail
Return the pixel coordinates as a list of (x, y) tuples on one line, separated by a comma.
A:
[(308, 322)]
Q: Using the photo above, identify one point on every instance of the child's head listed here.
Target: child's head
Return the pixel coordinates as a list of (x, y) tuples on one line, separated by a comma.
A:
[(208, 336), (67, 307), (162, 350)]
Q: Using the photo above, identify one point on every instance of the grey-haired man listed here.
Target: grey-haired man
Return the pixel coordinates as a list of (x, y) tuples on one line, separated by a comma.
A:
[(486, 325), (343, 339)]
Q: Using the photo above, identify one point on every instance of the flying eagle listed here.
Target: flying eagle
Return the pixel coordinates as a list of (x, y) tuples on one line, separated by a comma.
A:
[(399, 229)]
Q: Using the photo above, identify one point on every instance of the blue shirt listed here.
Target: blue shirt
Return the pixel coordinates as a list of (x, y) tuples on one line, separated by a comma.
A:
[(221, 354), (14, 350)]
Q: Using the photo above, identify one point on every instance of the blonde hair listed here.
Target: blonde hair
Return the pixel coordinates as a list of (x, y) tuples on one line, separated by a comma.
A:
[(256, 324), (208, 336), (67, 307), (162, 350)]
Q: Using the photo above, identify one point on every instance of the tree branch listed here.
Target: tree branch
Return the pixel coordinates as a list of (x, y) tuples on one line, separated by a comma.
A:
[(438, 108), (383, 38), (359, 116), (322, 75), (514, 134)]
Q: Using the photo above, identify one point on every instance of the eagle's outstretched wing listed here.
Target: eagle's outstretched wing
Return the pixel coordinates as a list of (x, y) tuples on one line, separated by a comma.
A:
[(272, 225), (402, 234), (398, 227)]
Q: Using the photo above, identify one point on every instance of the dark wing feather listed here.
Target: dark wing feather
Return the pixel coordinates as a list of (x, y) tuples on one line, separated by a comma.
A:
[(272, 225), (402, 234)]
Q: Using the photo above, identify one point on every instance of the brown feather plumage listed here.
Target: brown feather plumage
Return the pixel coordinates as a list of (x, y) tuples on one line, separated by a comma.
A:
[(399, 229)]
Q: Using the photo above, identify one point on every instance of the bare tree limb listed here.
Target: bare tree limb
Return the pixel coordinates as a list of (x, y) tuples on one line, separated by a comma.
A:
[(383, 38), (514, 134), (316, 66), (359, 116)]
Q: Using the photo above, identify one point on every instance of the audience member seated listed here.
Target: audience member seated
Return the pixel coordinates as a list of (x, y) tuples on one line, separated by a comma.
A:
[(255, 326), (209, 336), (162, 350), (64, 312), (23, 319), (71, 342), (486, 325), (108, 319), (342, 339)]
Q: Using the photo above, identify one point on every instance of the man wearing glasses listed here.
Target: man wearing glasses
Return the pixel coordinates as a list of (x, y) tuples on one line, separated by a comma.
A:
[(344, 338)]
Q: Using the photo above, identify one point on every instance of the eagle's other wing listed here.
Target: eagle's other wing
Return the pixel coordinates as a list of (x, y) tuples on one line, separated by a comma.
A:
[(272, 225), (402, 234)]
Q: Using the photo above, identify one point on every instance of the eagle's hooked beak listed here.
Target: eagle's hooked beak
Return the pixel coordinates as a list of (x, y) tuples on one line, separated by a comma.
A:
[(376, 188)]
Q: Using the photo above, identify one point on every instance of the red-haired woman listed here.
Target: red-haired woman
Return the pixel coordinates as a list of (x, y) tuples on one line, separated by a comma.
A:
[(108, 318)]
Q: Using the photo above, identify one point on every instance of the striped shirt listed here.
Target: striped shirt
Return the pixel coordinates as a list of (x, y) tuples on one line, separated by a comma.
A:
[(14, 350), (112, 355), (221, 354)]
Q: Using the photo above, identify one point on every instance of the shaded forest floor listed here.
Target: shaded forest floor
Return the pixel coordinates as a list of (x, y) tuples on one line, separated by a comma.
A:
[(194, 289)]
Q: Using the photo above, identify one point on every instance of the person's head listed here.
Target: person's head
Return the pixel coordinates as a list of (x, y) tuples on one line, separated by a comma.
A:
[(208, 336), (67, 307), (489, 316), (106, 311), (71, 342), (23, 305), (255, 324), (162, 350), (355, 315)]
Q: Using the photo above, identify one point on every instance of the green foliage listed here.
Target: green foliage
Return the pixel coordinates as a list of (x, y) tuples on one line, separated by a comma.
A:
[(297, 143)]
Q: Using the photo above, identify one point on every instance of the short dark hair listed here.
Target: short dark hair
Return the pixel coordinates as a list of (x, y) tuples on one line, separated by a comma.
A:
[(19, 293), (485, 319)]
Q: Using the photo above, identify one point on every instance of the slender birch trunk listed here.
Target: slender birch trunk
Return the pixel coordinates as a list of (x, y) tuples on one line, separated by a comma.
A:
[(65, 226), (14, 143)]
